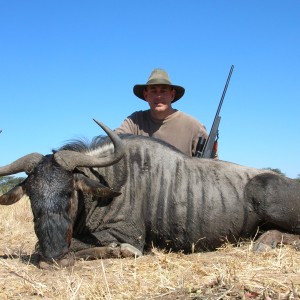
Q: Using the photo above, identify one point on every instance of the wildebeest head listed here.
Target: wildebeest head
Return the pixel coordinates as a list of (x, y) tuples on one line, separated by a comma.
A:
[(52, 188)]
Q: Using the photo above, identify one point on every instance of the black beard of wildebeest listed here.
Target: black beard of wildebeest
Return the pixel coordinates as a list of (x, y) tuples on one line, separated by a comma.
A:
[(120, 195)]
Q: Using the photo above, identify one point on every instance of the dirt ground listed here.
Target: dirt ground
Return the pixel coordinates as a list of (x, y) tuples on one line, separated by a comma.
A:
[(228, 273)]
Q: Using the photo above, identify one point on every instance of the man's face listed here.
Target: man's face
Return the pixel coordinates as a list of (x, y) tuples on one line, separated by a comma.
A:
[(159, 96)]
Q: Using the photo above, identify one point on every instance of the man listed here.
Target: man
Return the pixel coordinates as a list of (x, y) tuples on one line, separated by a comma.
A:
[(162, 121)]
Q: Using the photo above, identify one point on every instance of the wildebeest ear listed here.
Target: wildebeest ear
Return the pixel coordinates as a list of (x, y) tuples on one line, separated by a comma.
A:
[(93, 187), (12, 196)]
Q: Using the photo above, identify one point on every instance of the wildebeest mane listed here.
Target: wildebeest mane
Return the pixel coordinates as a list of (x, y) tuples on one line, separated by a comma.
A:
[(101, 141), (84, 145)]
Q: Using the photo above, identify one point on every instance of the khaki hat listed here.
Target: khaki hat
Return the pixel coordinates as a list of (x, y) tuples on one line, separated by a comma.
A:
[(158, 76)]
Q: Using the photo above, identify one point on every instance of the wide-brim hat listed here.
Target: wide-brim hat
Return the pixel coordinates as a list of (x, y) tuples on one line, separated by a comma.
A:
[(158, 76)]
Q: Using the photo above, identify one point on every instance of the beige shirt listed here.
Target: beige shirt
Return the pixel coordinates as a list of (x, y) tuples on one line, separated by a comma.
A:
[(178, 129)]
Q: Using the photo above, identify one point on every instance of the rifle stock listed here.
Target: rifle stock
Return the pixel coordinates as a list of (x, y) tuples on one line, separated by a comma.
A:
[(205, 148)]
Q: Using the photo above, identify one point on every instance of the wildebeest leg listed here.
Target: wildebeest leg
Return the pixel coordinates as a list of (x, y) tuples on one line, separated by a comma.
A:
[(272, 238), (89, 250), (111, 251), (130, 232)]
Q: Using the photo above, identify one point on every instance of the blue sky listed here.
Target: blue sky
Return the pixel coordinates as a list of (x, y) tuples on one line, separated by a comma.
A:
[(64, 63)]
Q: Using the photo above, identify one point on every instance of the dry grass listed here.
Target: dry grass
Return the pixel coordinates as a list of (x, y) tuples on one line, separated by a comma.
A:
[(229, 273)]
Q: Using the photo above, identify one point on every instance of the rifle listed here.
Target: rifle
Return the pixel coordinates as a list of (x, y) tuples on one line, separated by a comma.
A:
[(208, 148)]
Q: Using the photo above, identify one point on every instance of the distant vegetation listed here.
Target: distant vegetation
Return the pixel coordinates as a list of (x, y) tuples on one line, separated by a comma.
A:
[(281, 173), (8, 182), (278, 171)]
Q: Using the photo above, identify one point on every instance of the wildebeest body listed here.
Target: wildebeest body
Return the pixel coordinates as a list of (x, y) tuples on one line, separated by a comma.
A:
[(173, 202), (160, 198)]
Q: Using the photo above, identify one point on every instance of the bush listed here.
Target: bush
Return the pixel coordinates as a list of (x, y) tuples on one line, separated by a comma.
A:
[(8, 182)]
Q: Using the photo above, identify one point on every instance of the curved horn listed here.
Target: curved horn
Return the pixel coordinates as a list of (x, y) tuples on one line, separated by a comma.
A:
[(69, 160), (24, 164)]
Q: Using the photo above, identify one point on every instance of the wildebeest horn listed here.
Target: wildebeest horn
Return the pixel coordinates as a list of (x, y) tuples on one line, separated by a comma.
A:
[(69, 160), (24, 164)]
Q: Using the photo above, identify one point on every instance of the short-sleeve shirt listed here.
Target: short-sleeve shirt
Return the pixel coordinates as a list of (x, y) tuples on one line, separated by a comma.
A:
[(178, 129)]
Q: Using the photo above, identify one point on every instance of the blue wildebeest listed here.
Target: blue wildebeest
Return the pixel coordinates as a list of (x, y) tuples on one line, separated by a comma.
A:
[(121, 194)]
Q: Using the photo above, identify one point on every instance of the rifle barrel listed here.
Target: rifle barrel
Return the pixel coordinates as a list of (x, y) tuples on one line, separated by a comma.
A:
[(224, 91), (213, 134)]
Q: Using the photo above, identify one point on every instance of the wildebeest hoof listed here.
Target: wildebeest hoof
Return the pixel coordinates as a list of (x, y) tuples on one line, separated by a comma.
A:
[(113, 245), (128, 250)]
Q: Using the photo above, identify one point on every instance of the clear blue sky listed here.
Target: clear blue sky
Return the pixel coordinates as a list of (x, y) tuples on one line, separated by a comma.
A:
[(63, 63)]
